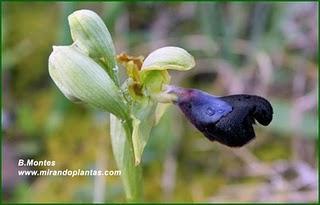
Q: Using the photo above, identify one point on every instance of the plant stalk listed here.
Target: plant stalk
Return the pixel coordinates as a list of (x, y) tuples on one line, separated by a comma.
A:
[(135, 187), (131, 175)]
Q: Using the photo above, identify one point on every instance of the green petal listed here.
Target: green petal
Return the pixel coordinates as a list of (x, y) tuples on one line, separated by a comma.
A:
[(154, 80), (174, 58), (91, 35), (80, 78), (143, 120), (160, 110)]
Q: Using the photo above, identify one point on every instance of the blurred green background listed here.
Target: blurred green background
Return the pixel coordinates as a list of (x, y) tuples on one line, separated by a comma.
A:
[(268, 49)]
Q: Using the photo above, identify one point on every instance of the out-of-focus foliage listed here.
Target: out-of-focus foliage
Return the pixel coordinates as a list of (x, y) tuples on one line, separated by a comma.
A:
[(268, 49)]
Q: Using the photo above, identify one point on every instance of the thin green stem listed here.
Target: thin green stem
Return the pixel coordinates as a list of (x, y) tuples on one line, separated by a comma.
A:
[(131, 175), (134, 187)]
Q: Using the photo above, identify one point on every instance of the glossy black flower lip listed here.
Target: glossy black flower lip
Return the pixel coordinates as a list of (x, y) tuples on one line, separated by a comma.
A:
[(227, 119)]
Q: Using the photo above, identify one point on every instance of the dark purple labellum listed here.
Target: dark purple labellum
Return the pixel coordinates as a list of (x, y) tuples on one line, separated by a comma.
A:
[(226, 119)]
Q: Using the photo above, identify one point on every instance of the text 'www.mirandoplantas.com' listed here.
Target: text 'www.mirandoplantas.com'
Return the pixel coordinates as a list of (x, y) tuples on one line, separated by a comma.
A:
[(67, 172), (59, 172)]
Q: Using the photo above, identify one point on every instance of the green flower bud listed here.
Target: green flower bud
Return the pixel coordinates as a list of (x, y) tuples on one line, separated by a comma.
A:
[(81, 79), (91, 35)]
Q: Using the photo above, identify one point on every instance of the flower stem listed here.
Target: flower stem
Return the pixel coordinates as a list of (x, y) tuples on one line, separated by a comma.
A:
[(131, 175), (134, 188)]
